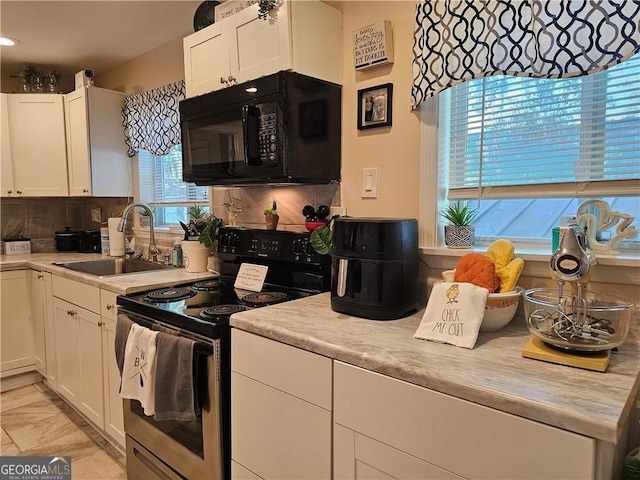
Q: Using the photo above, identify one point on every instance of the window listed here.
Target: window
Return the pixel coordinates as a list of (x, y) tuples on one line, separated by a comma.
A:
[(531, 150), (162, 187)]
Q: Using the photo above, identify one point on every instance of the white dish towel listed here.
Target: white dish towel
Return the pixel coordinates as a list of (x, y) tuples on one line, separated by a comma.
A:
[(453, 314), (138, 373)]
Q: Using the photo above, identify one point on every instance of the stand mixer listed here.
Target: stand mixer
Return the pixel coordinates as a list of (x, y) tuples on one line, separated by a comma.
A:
[(571, 325)]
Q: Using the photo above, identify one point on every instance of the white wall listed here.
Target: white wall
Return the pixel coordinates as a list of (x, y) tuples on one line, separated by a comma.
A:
[(153, 69), (393, 150)]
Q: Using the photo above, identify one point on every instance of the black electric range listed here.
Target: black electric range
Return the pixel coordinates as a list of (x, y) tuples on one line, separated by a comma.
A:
[(294, 270)]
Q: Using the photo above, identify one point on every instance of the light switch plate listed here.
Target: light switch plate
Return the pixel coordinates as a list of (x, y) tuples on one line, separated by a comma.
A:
[(369, 183)]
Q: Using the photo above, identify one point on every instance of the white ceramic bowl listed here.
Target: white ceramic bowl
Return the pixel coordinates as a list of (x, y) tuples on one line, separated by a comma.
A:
[(499, 310)]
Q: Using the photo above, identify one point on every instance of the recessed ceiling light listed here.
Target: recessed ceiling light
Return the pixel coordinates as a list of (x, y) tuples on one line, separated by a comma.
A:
[(8, 41), (251, 90)]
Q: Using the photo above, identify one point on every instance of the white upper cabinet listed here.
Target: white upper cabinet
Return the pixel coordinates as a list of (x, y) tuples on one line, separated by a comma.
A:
[(305, 37), (6, 174), (38, 147), (206, 59), (96, 150)]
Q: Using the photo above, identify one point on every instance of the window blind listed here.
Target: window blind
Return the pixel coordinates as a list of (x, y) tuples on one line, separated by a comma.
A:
[(507, 136), (161, 180)]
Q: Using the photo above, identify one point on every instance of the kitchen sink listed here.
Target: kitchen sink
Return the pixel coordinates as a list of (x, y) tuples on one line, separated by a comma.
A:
[(112, 266)]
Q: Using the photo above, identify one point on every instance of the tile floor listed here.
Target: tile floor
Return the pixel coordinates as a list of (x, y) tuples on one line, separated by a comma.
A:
[(35, 421)]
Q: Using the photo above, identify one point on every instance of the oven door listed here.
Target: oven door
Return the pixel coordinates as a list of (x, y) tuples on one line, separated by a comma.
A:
[(190, 450)]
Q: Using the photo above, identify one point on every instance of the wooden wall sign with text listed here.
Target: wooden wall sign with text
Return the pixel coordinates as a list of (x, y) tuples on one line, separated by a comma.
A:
[(373, 45)]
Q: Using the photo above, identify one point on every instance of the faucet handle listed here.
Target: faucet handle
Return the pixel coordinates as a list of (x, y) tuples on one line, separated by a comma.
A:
[(154, 251)]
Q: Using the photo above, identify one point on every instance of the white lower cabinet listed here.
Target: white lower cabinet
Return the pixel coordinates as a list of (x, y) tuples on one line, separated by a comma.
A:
[(280, 410), (42, 312), (80, 359), (79, 346), (387, 428), (113, 414), (88, 376), (17, 333)]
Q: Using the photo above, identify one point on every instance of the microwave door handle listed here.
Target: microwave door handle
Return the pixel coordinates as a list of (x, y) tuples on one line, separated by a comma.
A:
[(250, 137)]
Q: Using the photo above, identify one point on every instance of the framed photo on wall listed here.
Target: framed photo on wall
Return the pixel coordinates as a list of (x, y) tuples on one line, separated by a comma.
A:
[(375, 106)]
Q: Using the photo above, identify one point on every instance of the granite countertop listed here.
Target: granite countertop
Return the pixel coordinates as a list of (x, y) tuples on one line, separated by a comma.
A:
[(122, 284), (493, 373)]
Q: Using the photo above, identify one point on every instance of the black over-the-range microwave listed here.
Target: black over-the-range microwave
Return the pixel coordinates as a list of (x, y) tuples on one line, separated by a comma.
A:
[(282, 128)]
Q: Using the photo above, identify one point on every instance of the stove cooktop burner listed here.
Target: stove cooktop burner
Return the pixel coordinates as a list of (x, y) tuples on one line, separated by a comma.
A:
[(221, 311), (166, 295), (207, 285), (264, 298)]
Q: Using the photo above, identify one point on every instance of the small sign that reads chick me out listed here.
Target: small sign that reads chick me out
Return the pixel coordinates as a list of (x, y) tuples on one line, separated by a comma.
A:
[(373, 45)]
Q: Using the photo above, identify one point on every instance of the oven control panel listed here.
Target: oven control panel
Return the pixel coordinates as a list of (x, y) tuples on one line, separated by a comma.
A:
[(276, 245)]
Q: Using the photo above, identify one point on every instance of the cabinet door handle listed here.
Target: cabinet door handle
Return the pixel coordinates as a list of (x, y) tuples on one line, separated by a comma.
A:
[(223, 80), (110, 306), (9, 192), (100, 323), (84, 190), (72, 312), (231, 79), (19, 192), (40, 275)]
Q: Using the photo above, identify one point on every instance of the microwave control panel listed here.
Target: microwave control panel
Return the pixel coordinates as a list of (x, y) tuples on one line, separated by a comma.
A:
[(267, 135)]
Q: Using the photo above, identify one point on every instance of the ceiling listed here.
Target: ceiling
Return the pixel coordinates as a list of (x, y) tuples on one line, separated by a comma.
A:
[(69, 36)]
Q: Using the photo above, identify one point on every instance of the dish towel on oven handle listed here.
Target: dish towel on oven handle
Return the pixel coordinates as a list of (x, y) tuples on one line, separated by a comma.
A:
[(454, 313), (123, 327), (175, 390), (139, 369)]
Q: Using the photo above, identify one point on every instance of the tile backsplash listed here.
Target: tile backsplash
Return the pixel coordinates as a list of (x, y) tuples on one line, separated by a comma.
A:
[(39, 218), (290, 200)]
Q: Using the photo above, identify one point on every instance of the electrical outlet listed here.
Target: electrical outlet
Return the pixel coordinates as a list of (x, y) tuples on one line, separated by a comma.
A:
[(96, 215), (342, 211)]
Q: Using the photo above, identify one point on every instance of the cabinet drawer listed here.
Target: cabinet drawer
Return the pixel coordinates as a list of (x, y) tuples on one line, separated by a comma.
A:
[(459, 436), (78, 293), (297, 372), (276, 435), (108, 305)]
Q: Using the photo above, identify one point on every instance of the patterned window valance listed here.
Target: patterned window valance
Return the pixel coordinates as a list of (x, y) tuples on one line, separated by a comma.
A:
[(152, 119), (458, 40)]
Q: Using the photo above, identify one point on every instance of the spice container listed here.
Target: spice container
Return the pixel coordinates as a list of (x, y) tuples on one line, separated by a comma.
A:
[(177, 254)]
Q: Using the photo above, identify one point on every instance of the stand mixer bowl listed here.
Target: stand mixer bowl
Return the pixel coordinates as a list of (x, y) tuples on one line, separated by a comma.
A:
[(588, 322)]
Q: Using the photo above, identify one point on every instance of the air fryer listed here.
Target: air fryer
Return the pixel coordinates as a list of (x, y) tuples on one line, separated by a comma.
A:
[(375, 267)]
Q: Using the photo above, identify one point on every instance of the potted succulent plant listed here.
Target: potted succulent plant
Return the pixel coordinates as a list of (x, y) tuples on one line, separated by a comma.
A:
[(460, 233), (271, 217), (204, 228)]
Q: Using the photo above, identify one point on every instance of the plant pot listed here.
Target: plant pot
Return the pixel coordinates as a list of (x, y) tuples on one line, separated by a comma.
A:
[(459, 236), (195, 256), (271, 221)]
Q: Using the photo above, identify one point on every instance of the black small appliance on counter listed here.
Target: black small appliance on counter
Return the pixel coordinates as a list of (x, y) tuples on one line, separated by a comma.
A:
[(374, 270), (90, 241)]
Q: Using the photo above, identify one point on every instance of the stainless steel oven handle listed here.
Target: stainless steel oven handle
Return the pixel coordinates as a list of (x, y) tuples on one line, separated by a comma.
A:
[(141, 457), (341, 288)]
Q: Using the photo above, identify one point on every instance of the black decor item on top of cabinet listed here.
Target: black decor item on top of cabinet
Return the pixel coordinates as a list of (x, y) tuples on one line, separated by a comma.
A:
[(205, 15)]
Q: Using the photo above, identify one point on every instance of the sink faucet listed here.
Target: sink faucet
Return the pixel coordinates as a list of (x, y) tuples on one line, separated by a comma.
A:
[(153, 249)]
